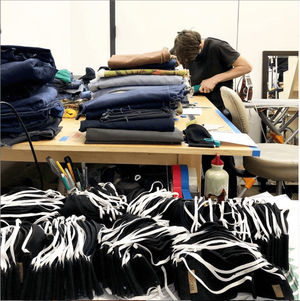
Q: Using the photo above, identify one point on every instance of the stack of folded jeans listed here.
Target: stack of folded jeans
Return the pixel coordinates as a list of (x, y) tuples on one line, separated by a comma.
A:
[(26, 77), (135, 100)]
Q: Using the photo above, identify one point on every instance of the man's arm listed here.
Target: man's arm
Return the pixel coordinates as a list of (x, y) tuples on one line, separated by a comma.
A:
[(240, 67)]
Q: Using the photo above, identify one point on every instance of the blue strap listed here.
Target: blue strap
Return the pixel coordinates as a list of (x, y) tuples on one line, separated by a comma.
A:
[(185, 182)]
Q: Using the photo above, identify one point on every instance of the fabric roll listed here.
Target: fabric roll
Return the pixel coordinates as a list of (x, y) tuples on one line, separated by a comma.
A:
[(134, 80), (111, 73), (133, 60), (132, 137), (170, 65)]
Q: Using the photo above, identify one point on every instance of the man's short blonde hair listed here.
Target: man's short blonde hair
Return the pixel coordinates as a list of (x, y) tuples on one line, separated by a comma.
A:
[(186, 46)]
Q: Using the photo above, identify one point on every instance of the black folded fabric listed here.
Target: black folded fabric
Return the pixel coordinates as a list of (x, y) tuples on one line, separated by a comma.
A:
[(195, 135), (114, 136)]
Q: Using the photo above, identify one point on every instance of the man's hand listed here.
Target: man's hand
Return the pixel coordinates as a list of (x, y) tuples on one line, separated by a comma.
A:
[(207, 85)]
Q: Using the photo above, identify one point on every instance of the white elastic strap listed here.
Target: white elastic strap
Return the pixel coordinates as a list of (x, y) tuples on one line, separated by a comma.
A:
[(4, 257), (236, 272), (284, 227), (234, 284), (166, 284), (26, 241)]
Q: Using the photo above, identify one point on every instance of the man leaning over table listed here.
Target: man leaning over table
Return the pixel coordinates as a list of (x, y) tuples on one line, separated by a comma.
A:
[(212, 63)]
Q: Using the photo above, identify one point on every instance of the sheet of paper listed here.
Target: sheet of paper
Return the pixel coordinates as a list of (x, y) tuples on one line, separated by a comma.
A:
[(231, 137), (192, 111)]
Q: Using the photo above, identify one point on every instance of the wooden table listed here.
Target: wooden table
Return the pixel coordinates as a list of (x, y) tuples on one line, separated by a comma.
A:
[(70, 142)]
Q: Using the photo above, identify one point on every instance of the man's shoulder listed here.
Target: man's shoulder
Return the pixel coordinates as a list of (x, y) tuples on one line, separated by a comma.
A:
[(214, 41)]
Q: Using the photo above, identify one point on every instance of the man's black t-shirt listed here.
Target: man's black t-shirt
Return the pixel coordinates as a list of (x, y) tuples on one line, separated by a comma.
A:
[(216, 57)]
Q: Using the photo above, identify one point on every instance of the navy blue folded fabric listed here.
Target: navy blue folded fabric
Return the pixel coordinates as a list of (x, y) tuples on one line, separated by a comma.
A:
[(20, 79), (163, 94), (11, 53), (39, 101), (158, 124)]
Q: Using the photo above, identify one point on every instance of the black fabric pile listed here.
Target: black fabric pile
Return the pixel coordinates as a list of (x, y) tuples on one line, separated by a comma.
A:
[(148, 243), (26, 77), (134, 256), (215, 265)]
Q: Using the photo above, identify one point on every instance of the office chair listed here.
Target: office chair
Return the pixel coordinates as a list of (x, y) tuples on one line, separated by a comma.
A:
[(277, 162)]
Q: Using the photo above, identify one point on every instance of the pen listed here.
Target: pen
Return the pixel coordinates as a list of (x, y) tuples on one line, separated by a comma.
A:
[(83, 174), (70, 166), (61, 169), (53, 166), (69, 178), (86, 177), (80, 179), (77, 178), (64, 179)]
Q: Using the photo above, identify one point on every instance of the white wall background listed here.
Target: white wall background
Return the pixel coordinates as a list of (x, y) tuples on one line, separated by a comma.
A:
[(77, 32)]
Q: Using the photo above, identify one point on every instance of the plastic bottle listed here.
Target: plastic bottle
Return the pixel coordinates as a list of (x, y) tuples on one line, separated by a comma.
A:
[(216, 181)]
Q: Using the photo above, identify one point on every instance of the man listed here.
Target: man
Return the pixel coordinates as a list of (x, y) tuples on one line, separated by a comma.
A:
[(212, 63)]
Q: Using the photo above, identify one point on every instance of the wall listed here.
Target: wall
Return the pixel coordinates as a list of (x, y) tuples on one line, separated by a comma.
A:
[(77, 32)]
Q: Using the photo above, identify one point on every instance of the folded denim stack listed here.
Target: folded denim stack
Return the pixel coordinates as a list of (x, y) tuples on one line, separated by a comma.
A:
[(26, 77), (135, 100)]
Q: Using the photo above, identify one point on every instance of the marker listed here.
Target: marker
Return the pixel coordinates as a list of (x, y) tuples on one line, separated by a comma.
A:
[(64, 179), (70, 166), (69, 178), (61, 169), (77, 178), (53, 166), (80, 179), (86, 177), (83, 174)]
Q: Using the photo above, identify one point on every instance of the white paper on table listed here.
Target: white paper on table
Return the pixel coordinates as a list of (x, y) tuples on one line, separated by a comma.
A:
[(192, 111), (231, 137)]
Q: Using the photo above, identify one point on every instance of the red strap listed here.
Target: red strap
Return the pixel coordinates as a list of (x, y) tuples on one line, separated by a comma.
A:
[(176, 171)]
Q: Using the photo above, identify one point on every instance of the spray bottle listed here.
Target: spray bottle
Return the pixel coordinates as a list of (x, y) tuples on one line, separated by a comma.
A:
[(216, 181)]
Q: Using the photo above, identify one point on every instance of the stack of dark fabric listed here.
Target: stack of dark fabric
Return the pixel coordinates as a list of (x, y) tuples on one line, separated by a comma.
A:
[(26, 77), (135, 100), (147, 245)]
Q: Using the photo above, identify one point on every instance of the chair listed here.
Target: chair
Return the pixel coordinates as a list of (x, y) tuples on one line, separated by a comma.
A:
[(277, 162)]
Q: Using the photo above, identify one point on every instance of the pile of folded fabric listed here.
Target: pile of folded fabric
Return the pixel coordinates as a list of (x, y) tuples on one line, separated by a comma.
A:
[(26, 77), (135, 100), (71, 91)]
